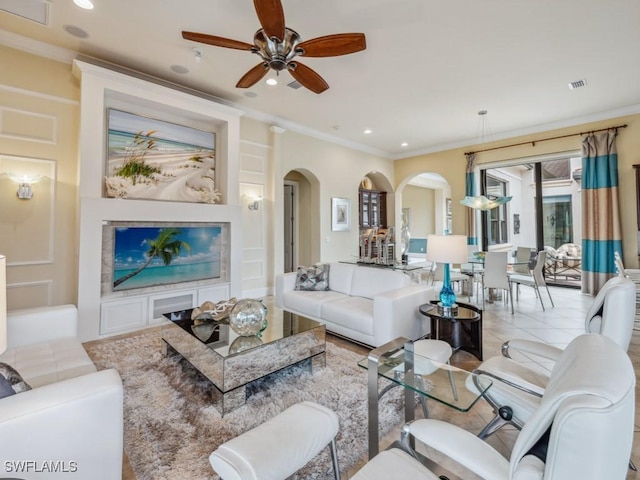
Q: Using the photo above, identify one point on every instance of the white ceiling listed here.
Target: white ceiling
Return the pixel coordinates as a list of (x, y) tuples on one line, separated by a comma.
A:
[(429, 66)]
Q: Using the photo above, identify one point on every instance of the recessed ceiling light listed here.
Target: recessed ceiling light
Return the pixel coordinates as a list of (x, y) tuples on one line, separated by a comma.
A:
[(180, 69), (86, 4), (272, 81), (367, 131), (250, 94), (75, 31), (404, 144)]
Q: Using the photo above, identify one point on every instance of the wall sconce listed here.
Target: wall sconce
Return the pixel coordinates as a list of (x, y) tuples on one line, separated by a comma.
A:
[(24, 182), (253, 202)]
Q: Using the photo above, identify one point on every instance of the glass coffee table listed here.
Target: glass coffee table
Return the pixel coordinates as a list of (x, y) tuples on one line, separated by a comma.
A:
[(396, 361), (231, 362)]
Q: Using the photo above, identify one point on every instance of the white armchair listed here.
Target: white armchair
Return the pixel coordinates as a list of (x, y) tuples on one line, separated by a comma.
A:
[(582, 429), (72, 418), (517, 389)]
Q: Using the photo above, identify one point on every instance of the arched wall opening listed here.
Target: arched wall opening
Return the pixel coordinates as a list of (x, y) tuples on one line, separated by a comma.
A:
[(302, 223), (424, 200)]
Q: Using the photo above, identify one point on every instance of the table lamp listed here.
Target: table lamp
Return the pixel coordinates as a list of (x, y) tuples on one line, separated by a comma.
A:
[(447, 249), (3, 303)]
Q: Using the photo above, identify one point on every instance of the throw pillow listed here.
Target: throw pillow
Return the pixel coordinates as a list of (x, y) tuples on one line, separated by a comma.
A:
[(12, 376), (313, 278), (5, 388)]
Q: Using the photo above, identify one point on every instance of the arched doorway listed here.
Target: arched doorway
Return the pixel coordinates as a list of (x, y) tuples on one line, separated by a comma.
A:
[(422, 199), (301, 226)]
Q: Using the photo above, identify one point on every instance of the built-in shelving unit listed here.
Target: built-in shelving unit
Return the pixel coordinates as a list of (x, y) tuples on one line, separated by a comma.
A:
[(103, 314)]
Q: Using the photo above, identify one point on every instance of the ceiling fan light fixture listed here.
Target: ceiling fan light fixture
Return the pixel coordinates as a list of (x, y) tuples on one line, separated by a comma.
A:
[(271, 81), (86, 4)]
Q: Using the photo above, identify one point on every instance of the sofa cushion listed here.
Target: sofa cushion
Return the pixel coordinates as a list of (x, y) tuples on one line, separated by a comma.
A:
[(49, 362), (341, 277), (355, 313), (13, 378), (371, 281), (308, 303), (313, 277)]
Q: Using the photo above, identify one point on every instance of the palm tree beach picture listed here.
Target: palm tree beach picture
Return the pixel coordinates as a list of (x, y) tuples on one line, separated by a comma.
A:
[(156, 160), (149, 256)]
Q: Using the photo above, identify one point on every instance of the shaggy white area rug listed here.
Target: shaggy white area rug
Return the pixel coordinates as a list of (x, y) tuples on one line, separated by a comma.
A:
[(171, 427)]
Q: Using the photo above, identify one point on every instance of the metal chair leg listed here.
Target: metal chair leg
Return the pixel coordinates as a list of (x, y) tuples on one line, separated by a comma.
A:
[(334, 459)]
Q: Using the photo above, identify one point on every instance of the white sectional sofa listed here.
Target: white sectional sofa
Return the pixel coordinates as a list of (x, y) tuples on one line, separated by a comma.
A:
[(72, 418), (371, 305)]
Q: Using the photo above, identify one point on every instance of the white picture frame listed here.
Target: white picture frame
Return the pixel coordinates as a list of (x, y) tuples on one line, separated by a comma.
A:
[(340, 214)]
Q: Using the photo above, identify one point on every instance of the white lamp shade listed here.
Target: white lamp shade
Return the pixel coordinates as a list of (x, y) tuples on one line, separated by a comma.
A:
[(3, 303), (447, 248)]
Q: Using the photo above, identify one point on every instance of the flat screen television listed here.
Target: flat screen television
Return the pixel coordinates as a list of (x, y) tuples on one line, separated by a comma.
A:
[(151, 255)]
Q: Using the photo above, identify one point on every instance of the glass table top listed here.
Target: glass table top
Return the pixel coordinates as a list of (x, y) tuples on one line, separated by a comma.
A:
[(433, 379), (219, 336)]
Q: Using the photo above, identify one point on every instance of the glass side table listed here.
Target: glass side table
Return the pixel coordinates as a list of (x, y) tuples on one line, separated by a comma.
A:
[(397, 362)]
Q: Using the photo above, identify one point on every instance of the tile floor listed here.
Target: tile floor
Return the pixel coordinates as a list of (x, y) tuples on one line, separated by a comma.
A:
[(558, 326)]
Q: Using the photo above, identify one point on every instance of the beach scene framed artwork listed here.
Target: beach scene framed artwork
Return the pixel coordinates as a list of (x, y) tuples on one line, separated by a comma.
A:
[(157, 160), (147, 256)]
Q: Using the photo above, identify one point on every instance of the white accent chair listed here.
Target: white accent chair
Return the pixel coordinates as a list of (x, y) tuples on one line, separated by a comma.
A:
[(587, 414), (73, 413), (517, 389), (535, 280)]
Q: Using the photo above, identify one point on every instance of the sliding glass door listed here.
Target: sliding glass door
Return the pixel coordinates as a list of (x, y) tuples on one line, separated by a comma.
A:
[(545, 210)]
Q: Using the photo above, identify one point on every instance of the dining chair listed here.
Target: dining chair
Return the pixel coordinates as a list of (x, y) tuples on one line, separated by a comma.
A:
[(495, 275), (534, 280), (523, 257)]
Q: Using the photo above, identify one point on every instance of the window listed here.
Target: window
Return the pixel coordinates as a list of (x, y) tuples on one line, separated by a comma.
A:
[(556, 170), (497, 217)]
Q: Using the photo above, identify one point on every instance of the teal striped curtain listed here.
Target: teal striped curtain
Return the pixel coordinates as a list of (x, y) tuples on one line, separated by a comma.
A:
[(601, 232), (470, 191)]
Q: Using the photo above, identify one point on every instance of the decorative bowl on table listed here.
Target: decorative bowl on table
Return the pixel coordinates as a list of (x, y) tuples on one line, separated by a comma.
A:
[(480, 255)]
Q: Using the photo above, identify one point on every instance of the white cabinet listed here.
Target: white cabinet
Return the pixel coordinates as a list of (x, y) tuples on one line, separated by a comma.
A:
[(134, 312)]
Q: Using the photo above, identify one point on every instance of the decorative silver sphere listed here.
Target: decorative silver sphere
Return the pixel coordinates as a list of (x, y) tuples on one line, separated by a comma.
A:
[(248, 317)]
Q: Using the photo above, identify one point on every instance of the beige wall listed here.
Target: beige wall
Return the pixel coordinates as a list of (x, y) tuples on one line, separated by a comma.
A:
[(420, 201), (451, 165), (38, 134)]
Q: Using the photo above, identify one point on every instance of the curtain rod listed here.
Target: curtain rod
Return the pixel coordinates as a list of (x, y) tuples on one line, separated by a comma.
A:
[(533, 142)]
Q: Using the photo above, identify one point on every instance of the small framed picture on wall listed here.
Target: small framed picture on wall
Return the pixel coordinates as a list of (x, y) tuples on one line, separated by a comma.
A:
[(340, 214)]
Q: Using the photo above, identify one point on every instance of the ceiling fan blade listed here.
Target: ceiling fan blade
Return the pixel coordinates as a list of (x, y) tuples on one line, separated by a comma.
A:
[(307, 77), (253, 76), (271, 17), (333, 45), (217, 41)]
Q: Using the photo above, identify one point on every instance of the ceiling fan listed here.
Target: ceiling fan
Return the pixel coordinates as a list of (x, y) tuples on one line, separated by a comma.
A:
[(278, 46)]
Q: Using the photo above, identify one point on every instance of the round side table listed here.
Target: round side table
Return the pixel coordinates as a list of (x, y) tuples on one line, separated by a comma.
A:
[(463, 331)]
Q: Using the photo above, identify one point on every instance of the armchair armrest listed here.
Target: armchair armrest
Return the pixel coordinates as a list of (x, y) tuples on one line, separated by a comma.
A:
[(462, 447), (36, 325), (529, 346), (396, 314), (78, 420), (285, 282)]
